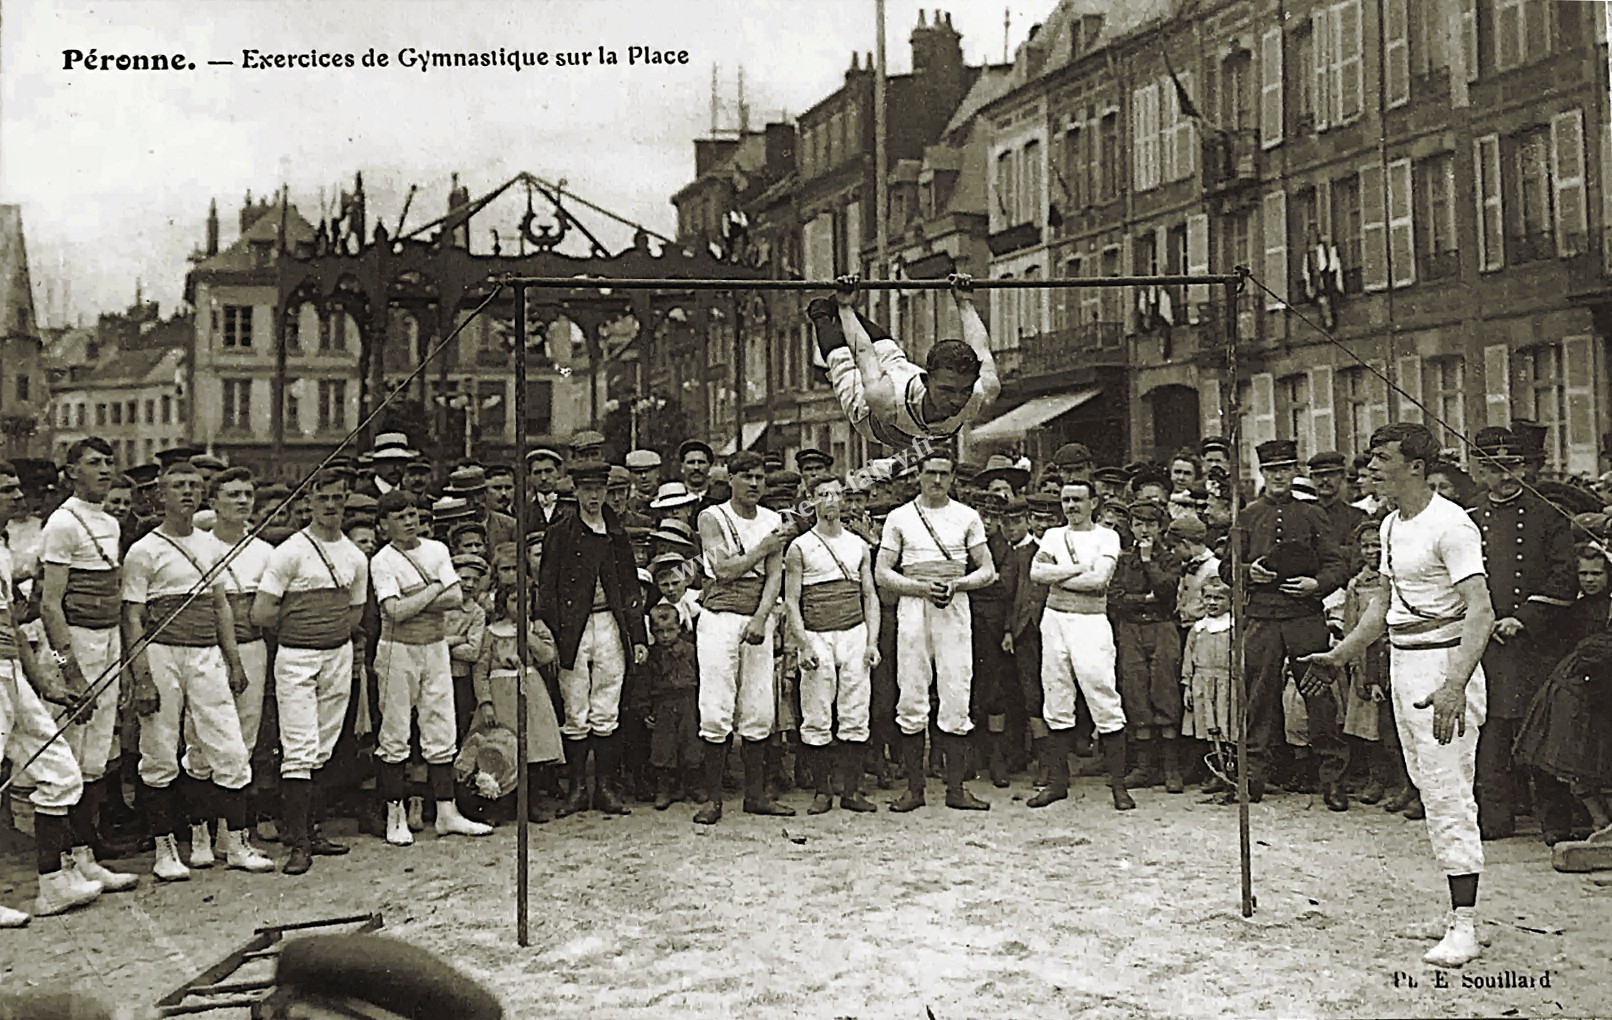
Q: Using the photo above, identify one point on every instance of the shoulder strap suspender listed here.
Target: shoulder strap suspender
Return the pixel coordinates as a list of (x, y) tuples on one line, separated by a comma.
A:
[(95, 543)]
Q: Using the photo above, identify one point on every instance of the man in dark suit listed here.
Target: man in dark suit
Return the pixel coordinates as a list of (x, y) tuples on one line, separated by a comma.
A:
[(1528, 549), (1285, 619)]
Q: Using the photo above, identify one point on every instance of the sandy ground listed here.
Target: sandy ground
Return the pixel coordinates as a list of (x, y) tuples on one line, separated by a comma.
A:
[(1074, 910)]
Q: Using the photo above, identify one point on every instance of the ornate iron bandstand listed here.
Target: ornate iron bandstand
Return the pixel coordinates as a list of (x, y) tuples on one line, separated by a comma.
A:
[(431, 275)]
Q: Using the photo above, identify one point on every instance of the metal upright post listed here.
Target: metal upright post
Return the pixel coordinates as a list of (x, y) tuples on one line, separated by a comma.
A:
[(523, 791), (1234, 433)]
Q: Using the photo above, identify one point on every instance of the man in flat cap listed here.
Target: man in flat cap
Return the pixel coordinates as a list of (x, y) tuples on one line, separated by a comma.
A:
[(1073, 460), (645, 468), (1286, 621), (543, 482), (372, 977), (1528, 549), (886, 397), (1327, 472), (1141, 603), (1112, 483), (589, 596), (587, 446), (813, 465)]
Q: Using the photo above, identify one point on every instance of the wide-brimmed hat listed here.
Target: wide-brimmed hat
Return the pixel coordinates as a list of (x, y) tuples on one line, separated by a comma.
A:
[(672, 494), (392, 446), (675, 531), (492, 752), (999, 466)]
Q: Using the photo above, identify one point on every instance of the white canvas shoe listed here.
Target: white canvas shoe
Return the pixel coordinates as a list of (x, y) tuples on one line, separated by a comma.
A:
[(397, 825), (169, 868), (62, 891), (451, 823), (76, 879), (12, 918), (240, 854), (109, 880), (201, 846), (1460, 942)]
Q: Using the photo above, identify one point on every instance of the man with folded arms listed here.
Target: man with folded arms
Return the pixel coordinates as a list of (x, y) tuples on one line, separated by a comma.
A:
[(415, 585), (190, 668)]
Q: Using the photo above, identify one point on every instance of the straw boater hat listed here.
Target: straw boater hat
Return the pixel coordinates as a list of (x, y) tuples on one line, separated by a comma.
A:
[(674, 531), (466, 481), (392, 446), (670, 495), (451, 508)]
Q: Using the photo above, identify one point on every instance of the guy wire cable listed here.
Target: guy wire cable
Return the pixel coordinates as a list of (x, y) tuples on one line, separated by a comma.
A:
[(205, 584), (1469, 444)]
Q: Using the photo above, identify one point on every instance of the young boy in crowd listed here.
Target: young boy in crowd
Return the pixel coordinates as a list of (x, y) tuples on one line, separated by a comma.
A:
[(466, 627), (674, 718)]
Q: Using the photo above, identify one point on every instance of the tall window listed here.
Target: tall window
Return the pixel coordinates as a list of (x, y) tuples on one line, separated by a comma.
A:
[(237, 326), (334, 336), (1539, 392), (1113, 309), (1346, 231), (1446, 394), (332, 404), (117, 413), (1236, 111), (78, 415), (1006, 194), (1435, 218), (132, 415), (151, 411), (23, 387), (1531, 215), (1303, 79), (1429, 51), (540, 405), (1109, 158), (100, 415), (1293, 392), (1366, 405), (237, 404), (167, 409), (1030, 178), (1521, 30), (1076, 166), (293, 412)]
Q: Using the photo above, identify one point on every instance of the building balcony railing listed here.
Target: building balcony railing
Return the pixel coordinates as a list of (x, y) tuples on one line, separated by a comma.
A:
[(1087, 345), (1015, 238), (1231, 161), (1438, 265), (1535, 247)]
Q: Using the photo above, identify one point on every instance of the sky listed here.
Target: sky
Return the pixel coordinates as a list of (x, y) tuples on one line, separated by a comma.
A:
[(114, 169)]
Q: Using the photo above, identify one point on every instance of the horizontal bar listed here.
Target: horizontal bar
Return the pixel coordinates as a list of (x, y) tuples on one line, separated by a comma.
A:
[(604, 283), (222, 987), (189, 1008), (274, 929)]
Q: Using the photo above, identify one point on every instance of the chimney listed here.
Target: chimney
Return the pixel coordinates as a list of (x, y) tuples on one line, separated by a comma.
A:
[(458, 198), (856, 59), (937, 49), (212, 228), (246, 211)]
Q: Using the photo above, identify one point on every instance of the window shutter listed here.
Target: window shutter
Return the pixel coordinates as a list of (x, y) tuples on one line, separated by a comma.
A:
[(1396, 52), (1401, 223), (1323, 417), (1567, 170), (1350, 80), (1274, 228), (1497, 384), (1491, 208), (1469, 38), (1408, 377), (1186, 131), (1578, 369), (1323, 209), (1373, 228), (1145, 121), (1259, 422), (1197, 262), (1379, 389), (1209, 401), (1168, 116), (1321, 48), (1270, 88)]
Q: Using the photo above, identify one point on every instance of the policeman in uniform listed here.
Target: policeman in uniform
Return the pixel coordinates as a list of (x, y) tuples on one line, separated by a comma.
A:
[(1327, 473), (1285, 620), (1528, 547)]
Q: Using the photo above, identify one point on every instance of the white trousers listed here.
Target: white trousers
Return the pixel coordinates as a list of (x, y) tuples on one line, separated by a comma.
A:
[(1078, 648), (1442, 772), (934, 644), (415, 681), (846, 379), (591, 688), (311, 689), (92, 742), (736, 681), (841, 680), (192, 682), (25, 729), (248, 709)]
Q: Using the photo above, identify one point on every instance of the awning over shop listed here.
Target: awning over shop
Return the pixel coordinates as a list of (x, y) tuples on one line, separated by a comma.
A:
[(752, 432), (1016, 423)]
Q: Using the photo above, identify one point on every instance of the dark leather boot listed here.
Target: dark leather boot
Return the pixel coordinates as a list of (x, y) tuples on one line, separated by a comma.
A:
[(663, 790), (996, 759), (756, 801), (318, 845), (957, 754), (850, 760), (912, 763), (606, 764), (576, 771), (1055, 747), (296, 796), (716, 759), (1114, 760), (820, 766), (1335, 797), (824, 316)]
